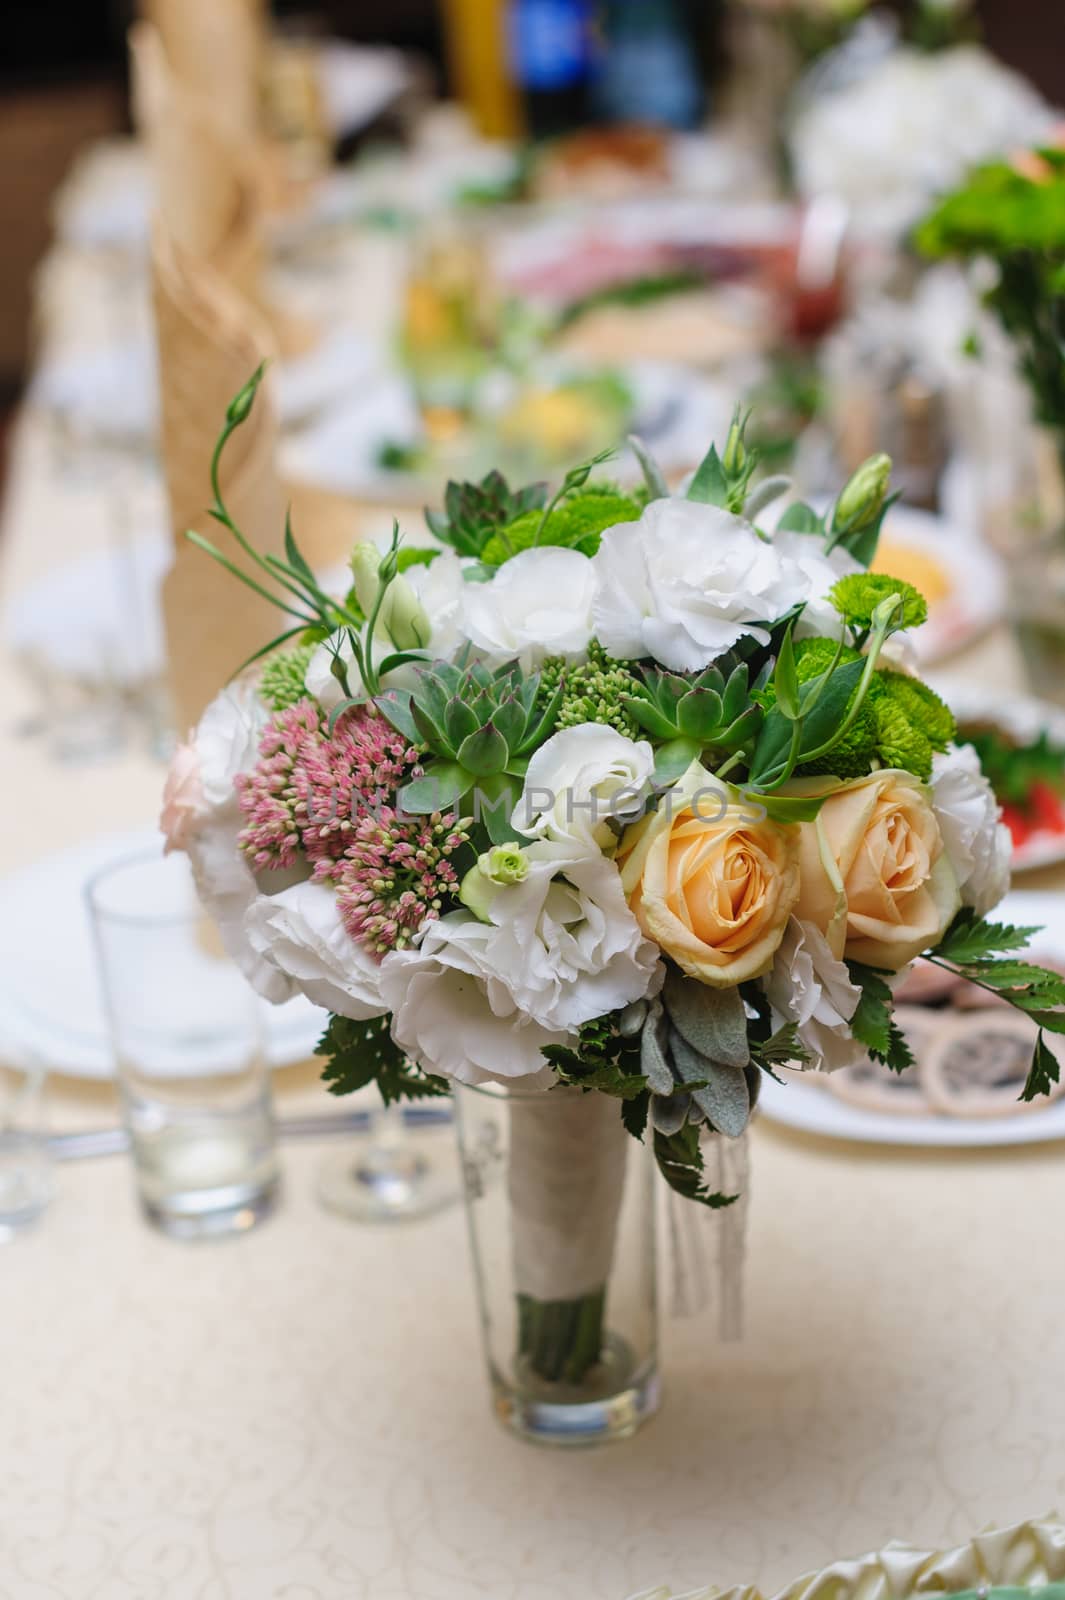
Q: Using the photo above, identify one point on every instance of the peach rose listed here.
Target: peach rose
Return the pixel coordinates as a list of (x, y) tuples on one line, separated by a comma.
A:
[(711, 883), (876, 879), (183, 798)]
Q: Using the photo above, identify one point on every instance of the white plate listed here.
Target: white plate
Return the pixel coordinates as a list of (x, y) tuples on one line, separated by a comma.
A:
[(51, 1014), (810, 1106), (1023, 718), (977, 583)]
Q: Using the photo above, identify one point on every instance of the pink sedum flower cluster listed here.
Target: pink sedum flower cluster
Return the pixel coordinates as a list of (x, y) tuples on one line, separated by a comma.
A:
[(320, 797)]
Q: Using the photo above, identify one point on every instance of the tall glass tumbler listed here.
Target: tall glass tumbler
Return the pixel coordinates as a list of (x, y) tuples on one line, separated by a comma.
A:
[(188, 1043)]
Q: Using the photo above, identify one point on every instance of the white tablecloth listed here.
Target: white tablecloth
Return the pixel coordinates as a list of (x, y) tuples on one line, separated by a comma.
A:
[(301, 1414)]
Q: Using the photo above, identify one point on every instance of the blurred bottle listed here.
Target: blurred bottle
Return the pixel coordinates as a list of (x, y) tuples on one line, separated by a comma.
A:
[(650, 70), (552, 50), (478, 54)]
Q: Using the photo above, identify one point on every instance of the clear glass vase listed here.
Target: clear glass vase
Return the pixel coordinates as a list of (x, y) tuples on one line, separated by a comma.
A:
[(560, 1202)]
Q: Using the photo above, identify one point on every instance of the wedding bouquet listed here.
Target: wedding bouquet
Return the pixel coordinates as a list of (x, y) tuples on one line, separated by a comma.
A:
[(615, 794)]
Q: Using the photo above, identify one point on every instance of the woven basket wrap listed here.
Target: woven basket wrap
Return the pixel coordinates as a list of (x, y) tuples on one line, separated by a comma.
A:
[(1026, 1555), (566, 1178), (217, 48), (207, 182), (209, 345)]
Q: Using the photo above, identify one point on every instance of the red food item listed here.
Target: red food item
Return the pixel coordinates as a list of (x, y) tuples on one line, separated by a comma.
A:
[(1046, 807), (1020, 828)]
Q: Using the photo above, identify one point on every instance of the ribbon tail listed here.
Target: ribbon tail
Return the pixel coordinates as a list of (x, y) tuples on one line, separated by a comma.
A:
[(708, 1248)]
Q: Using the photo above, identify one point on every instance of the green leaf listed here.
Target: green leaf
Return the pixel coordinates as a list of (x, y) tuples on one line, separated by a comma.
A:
[(1045, 1070), (395, 706), (444, 783), (787, 807), (485, 752), (680, 1161), (360, 1053), (783, 1048), (972, 938), (872, 1023), (673, 759), (829, 694), (786, 680), (699, 714), (294, 554), (650, 718), (400, 658), (710, 485), (634, 1114), (460, 720), (801, 518), (266, 649)]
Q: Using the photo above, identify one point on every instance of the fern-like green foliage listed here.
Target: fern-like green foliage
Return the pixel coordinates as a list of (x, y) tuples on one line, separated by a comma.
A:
[(361, 1053)]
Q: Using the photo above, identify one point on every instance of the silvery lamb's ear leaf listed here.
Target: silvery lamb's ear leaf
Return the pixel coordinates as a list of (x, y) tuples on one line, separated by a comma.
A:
[(653, 1061), (726, 1099), (712, 1021), (657, 487), (721, 1092), (754, 1083), (669, 1113)]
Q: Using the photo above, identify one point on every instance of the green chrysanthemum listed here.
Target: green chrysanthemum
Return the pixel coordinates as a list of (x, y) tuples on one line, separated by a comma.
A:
[(591, 692), (898, 742), (576, 524), (282, 680), (921, 705), (857, 596), (900, 724)]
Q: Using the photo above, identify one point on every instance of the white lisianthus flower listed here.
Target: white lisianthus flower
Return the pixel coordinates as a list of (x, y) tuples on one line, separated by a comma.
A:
[(538, 604), (301, 931), (808, 986), (439, 589), (688, 581), (453, 1015), (581, 779), (820, 571), (975, 839), (226, 743), (566, 945)]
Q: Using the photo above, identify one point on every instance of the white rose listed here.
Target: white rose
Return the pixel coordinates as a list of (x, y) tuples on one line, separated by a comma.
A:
[(453, 1016), (809, 987), (686, 582), (538, 604), (566, 946), (579, 780), (301, 932), (976, 841)]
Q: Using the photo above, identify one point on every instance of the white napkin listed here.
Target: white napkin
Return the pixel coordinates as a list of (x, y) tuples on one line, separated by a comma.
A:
[(97, 619)]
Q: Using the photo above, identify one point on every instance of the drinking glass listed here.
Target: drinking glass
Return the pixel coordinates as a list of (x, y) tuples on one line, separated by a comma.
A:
[(188, 1043), (25, 1165)]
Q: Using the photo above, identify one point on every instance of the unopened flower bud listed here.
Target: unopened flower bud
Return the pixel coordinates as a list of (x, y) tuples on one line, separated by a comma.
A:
[(863, 496), (404, 617), (735, 456), (498, 868), (242, 402), (365, 569)]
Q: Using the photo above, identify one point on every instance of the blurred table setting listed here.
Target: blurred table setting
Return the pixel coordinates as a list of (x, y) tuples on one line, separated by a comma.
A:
[(239, 1326)]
